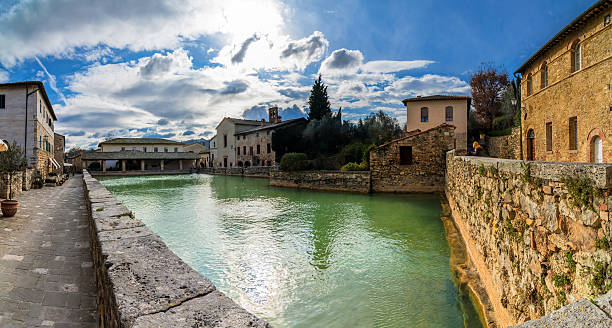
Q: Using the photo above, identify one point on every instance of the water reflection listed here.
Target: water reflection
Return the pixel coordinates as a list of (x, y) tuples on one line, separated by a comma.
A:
[(307, 259)]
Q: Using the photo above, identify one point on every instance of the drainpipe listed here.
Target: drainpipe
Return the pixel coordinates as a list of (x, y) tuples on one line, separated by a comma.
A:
[(517, 94)]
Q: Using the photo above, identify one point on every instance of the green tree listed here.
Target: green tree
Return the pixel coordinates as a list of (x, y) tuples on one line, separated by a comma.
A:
[(318, 102), (488, 84)]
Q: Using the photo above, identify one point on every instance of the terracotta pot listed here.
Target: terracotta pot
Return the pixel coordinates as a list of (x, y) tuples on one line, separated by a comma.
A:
[(9, 207)]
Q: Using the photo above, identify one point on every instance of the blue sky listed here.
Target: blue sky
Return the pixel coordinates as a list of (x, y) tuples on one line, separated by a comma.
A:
[(170, 68)]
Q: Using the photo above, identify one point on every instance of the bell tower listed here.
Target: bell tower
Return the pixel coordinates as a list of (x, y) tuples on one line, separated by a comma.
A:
[(273, 115)]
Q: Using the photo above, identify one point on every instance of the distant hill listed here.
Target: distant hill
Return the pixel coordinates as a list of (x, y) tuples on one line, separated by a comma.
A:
[(201, 140)]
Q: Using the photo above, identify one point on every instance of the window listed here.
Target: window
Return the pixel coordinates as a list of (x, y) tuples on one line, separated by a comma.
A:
[(122, 148), (576, 57), (251, 150), (2, 101), (424, 114), (176, 149), (144, 149), (244, 150), (449, 113), (257, 134), (529, 85), (258, 149), (165, 149), (549, 136), (607, 20), (40, 142), (238, 150), (268, 133), (155, 149), (225, 140), (544, 76), (40, 106), (133, 148), (269, 149), (573, 133), (405, 155)]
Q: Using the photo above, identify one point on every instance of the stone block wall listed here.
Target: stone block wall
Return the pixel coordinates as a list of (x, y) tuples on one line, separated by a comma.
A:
[(508, 147), (357, 181), (26, 181), (425, 174), (141, 283), (538, 240), (16, 186), (254, 171)]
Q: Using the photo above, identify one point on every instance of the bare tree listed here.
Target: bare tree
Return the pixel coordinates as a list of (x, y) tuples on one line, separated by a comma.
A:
[(488, 85)]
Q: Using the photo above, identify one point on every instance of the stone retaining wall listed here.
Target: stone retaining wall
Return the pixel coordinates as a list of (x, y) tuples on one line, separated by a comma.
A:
[(141, 283), (255, 172), (16, 186), (535, 245), (508, 147), (356, 181)]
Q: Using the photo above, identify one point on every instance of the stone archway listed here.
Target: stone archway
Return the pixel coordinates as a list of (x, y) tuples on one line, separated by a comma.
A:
[(595, 141)]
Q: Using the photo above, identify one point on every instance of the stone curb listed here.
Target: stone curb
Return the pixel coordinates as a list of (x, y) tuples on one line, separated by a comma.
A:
[(142, 283)]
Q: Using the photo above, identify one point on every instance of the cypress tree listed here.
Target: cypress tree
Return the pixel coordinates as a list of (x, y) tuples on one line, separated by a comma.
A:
[(318, 101)]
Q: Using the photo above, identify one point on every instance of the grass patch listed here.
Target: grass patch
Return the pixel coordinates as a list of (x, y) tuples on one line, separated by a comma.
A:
[(561, 280), (582, 191), (569, 259), (598, 279), (602, 243), (99, 209)]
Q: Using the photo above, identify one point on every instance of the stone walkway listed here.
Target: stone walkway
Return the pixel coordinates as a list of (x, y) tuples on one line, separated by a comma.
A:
[(46, 273)]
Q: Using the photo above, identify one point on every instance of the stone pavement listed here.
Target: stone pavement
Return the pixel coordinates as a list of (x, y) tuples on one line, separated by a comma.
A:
[(46, 273)]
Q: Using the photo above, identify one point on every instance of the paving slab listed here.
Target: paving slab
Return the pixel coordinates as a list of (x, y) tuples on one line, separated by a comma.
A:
[(43, 279)]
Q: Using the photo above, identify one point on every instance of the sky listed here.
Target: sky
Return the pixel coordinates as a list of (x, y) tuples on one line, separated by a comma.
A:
[(175, 68)]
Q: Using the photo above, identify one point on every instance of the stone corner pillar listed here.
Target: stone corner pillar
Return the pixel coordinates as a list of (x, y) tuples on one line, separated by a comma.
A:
[(123, 165), (103, 166), (142, 165), (161, 163), (180, 164)]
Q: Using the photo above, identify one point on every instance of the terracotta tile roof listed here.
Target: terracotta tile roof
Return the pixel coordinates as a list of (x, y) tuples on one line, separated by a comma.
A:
[(436, 97), (125, 141)]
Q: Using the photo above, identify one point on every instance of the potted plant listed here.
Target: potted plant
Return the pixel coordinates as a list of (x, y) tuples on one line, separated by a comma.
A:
[(11, 161)]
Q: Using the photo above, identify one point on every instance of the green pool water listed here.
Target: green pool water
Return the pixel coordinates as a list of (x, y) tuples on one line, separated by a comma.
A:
[(307, 258)]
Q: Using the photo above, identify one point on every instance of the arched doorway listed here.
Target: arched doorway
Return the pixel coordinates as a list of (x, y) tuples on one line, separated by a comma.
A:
[(596, 150), (239, 163), (530, 145)]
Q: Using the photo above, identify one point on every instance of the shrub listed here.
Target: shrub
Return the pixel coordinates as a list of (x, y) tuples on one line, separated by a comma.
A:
[(582, 191), (353, 152), (363, 166), (294, 162), (366, 153)]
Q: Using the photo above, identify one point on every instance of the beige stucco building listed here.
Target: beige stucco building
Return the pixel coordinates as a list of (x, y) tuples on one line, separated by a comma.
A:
[(37, 136), (203, 152), (424, 113), (566, 95), (224, 143), (140, 156)]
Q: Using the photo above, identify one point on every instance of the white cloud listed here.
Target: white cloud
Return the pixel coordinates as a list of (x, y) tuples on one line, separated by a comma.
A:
[(428, 84), (388, 66), (51, 79), (56, 28), (342, 61), (4, 76)]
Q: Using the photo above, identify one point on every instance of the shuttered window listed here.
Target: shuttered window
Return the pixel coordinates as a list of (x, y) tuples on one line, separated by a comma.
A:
[(573, 133), (549, 136), (2, 101)]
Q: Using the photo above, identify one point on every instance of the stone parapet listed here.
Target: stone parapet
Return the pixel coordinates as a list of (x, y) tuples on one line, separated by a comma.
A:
[(141, 283), (355, 181), (538, 233), (253, 171)]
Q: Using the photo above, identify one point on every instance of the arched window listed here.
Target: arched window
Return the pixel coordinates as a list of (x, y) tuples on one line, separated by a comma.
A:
[(449, 113), (544, 76), (424, 114), (576, 56), (529, 85), (596, 150)]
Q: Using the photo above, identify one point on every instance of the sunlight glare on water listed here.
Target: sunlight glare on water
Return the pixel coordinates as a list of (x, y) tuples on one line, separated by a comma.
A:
[(307, 258)]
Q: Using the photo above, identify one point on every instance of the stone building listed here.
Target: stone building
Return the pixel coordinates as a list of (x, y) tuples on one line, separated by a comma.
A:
[(34, 134), (59, 145), (423, 113), (566, 92), (224, 142), (203, 152), (254, 146), (140, 156), (413, 163)]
